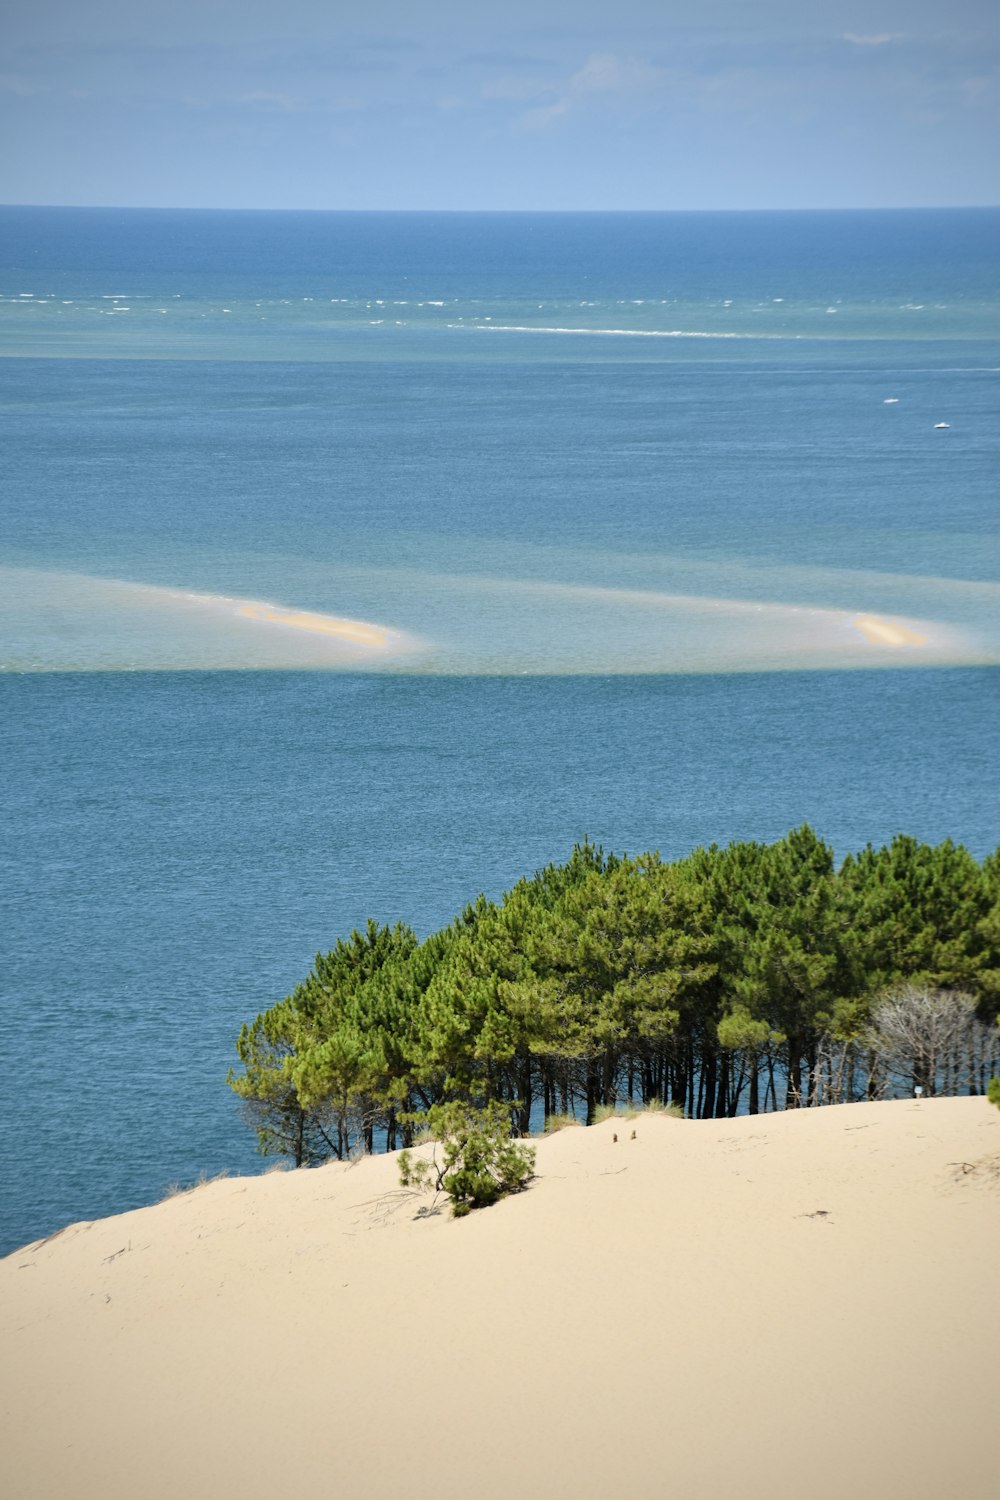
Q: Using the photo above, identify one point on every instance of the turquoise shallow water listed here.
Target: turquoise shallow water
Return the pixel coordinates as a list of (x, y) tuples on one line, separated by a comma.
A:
[(475, 506), (627, 568), (323, 286)]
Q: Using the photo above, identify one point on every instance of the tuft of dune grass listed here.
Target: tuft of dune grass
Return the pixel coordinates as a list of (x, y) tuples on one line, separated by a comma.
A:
[(560, 1122), (630, 1111), (180, 1190), (616, 1112)]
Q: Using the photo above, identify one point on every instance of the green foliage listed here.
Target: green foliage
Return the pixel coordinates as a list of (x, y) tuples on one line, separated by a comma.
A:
[(479, 1163), (266, 1048), (993, 1091), (329, 1053), (738, 1030), (738, 977)]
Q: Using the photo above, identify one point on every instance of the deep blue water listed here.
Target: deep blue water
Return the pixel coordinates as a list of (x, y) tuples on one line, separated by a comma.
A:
[(567, 522)]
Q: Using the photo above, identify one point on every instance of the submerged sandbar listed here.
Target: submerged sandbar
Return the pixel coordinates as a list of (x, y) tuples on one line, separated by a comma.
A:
[(359, 631), (60, 621), (460, 624), (885, 632)]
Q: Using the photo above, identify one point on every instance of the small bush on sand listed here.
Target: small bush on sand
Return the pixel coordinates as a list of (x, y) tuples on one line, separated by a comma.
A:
[(561, 1122), (993, 1092), (479, 1162)]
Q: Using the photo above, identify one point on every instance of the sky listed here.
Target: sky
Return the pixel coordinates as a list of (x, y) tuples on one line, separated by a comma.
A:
[(524, 104)]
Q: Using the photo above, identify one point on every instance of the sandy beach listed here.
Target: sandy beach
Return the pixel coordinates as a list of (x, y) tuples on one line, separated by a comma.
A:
[(800, 1303)]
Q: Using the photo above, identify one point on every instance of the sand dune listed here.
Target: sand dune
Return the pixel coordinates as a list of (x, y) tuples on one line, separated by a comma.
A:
[(795, 1304)]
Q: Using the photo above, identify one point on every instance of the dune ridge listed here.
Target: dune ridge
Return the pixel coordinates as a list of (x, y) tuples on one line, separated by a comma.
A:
[(769, 1306)]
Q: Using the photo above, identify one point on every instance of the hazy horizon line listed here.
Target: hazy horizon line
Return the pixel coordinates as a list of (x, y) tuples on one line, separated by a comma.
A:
[(537, 212)]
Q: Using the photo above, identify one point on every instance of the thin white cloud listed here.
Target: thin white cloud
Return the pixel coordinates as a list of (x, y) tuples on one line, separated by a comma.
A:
[(879, 40), (274, 102), (10, 83), (973, 89), (538, 118), (518, 90), (604, 74), (266, 99)]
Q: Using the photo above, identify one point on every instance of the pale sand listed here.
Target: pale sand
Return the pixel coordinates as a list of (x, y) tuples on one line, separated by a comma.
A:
[(786, 1305), (883, 632), (317, 624), (69, 621)]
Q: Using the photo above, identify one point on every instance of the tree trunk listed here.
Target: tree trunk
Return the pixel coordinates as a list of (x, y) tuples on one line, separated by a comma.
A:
[(706, 1092), (524, 1113), (811, 1063), (722, 1090), (736, 1089), (679, 1087), (593, 1085), (793, 1092), (609, 1069), (754, 1105)]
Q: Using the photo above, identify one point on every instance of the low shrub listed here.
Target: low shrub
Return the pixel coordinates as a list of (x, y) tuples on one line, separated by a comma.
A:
[(479, 1161)]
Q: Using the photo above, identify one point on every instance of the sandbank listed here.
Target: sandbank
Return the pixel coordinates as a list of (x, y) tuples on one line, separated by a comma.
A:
[(800, 1303), (51, 620), (883, 632), (318, 624)]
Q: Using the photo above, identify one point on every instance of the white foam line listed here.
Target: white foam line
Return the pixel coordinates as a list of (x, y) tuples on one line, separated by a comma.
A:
[(634, 333)]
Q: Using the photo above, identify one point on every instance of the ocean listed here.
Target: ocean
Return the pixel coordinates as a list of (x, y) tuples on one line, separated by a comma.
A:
[(353, 564)]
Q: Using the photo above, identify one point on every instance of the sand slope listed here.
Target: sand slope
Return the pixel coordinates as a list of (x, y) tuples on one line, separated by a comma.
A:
[(796, 1304)]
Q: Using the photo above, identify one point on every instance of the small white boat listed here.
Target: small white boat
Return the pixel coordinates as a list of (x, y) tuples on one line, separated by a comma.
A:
[(891, 401), (939, 425)]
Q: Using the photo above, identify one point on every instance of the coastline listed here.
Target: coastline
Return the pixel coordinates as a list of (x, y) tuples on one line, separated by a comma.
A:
[(746, 1304)]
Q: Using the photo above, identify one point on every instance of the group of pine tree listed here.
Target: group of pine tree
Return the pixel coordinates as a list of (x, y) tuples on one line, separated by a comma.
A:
[(746, 978)]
